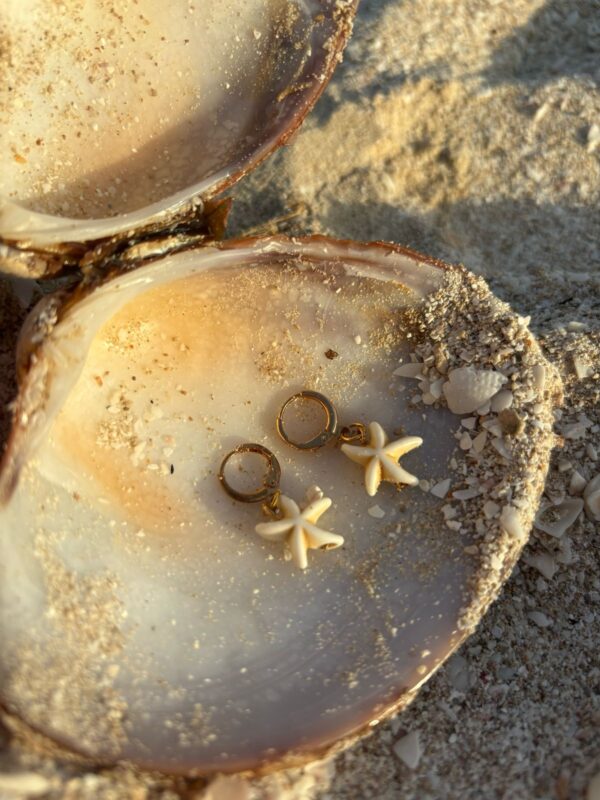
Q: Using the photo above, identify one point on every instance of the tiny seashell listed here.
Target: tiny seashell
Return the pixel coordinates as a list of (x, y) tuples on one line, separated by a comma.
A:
[(503, 400), (491, 509), (436, 388), (479, 441), (468, 388), (466, 494), (500, 447), (539, 377), (577, 483), (441, 489), (410, 371), (510, 521), (408, 749), (543, 562), (493, 426), (591, 497), (556, 519), (376, 512), (465, 442)]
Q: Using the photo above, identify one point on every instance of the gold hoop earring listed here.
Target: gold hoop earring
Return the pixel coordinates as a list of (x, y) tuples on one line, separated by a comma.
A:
[(289, 524), (368, 446)]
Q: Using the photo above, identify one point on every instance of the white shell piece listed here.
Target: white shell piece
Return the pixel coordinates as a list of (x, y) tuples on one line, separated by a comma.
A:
[(410, 371), (409, 750), (467, 388), (441, 489), (557, 519), (543, 562), (577, 483), (504, 399), (510, 521), (539, 376)]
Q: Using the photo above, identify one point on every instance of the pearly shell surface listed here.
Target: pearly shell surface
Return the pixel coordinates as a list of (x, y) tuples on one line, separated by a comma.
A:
[(142, 617)]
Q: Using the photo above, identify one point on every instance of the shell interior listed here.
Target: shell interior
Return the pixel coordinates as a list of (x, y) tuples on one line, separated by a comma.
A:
[(142, 617), (122, 112)]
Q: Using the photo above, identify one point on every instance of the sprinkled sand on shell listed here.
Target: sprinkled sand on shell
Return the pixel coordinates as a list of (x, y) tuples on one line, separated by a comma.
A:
[(475, 144)]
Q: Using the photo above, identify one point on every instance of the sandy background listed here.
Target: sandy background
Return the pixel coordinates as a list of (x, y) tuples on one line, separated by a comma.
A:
[(469, 130)]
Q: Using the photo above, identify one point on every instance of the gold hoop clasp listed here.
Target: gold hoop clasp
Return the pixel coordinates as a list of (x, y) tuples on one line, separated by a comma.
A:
[(270, 488), (330, 431)]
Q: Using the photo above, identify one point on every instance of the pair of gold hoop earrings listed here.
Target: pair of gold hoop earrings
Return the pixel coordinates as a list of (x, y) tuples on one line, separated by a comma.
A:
[(369, 447)]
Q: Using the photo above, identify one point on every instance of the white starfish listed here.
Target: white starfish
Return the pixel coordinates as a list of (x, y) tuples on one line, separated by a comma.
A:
[(299, 530), (380, 459)]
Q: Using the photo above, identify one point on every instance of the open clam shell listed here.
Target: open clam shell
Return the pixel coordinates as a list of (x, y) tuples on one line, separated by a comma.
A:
[(112, 122), (141, 616)]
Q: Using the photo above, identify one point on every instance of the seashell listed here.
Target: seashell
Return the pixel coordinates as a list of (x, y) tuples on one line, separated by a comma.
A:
[(502, 401), (555, 520), (543, 562), (182, 596), (510, 521), (246, 72), (142, 619), (409, 750), (410, 371), (591, 497), (441, 489), (577, 483), (468, 388)]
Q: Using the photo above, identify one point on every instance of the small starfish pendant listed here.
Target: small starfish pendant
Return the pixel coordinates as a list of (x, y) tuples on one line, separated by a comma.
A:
[(299, 530), (380, 458)]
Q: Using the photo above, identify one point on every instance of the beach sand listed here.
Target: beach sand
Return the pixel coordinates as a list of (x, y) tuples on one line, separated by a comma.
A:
[(468, 130)]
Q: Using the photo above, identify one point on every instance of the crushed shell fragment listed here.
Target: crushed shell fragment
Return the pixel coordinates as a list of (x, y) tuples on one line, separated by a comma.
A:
[(468, 389)]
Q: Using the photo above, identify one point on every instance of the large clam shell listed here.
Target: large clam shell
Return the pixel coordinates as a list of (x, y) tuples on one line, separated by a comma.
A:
[(141, 616), (116, 120)]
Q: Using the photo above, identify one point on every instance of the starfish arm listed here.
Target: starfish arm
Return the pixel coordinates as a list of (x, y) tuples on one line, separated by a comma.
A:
[(378, 436), (360, 455), (313, 511), (402, 446), (373, 476), (275, 531), (288, 506), (394, 473), (298, 546), (317, 537)]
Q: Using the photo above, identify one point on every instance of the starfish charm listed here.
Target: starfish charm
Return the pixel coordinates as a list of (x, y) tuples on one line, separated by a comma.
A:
[(299, 530), (380, 459)]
